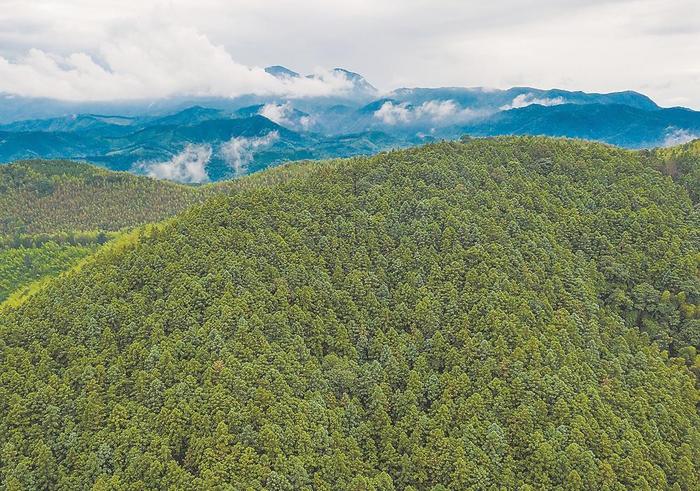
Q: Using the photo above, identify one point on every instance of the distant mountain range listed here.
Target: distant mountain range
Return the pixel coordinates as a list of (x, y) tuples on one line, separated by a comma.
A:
[(200, 139)]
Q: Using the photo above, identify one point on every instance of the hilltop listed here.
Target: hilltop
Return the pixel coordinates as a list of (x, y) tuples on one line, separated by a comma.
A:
[(54, 213), (682, 162)]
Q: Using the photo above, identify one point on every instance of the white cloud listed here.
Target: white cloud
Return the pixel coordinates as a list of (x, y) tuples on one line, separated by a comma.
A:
[(436, 111), (392, 114), (239, 151), (306, 122), (524, 100), (651, 46), (283, 114), (679, 136), (153, 64), (189, 166), (278, 113)]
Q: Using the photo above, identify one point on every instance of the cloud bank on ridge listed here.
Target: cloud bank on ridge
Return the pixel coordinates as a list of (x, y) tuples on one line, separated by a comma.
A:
[(434, 111), (188, 166), (524, 100), (239, 151)]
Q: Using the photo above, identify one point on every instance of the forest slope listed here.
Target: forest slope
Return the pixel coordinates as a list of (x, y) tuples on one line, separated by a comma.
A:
[(454, 316), (49, 196), (682, 162), (55, 212), (61, 196)]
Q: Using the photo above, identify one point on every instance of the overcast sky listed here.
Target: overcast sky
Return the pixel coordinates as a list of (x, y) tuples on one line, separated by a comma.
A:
[(106, 49)]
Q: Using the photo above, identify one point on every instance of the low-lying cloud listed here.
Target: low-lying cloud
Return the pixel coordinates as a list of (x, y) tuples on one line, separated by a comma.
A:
[(392, 114), (284, 115), (239, 151), (278, 113), (434, 111), (189, 166), (679, 136), (524, 100)]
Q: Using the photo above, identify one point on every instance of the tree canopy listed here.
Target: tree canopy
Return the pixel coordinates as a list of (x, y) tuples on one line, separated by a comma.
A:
[(509, 313)]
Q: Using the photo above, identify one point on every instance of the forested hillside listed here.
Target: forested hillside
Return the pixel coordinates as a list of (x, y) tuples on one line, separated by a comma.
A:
[(55, 212), (48, 196), (681, 162), (511, 313), (22, 266)]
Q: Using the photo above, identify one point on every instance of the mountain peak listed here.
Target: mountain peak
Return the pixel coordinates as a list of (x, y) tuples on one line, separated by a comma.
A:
[(350, 75), (359, 82), (280, 71)]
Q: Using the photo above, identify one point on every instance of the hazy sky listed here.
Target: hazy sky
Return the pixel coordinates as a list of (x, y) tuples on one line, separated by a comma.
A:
[(103, 49)]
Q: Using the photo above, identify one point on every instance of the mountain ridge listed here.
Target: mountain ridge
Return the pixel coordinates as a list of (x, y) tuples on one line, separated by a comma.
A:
[(332, 126)]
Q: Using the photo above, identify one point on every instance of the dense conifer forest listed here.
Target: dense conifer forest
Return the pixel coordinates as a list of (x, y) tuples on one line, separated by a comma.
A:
[(681, 162), (508, 313), (55, 212), (49, 196)]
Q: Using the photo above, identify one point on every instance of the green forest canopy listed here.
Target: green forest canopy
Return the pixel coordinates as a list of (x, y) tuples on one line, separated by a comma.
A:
[(462, 315), (681, 162), (45, 196), (64, 197), (55, 212)]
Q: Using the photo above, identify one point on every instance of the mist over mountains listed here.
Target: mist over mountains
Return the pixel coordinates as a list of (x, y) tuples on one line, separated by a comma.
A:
[(200, 139)]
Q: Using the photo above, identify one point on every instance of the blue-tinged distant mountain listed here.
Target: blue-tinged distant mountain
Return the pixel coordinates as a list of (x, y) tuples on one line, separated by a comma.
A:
[(617, 124), (18, 108), (281, 72), (259, 109), (76, 122), (440, 112), (360, 84), (479, 98), (163, 142), (188, 117), (374, 106), (48, 144), (157, 142), (211, 130), (242, 142), (282, 113)]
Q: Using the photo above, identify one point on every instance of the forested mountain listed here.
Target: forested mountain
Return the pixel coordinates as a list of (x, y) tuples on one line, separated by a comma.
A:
[(228, 145), (490, 100), (55, 212), (622, 125), (15, 108), (84, 123), (519, 313), (26, 264)]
